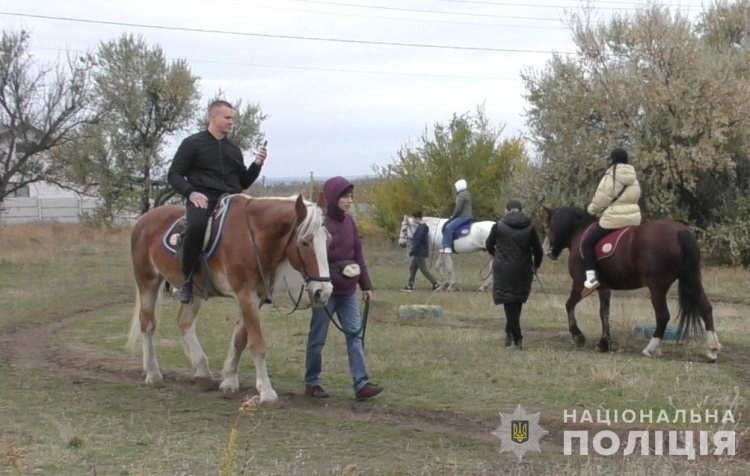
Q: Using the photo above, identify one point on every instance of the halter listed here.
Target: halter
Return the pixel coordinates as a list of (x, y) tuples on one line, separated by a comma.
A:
[(406, 230), (305, 275)]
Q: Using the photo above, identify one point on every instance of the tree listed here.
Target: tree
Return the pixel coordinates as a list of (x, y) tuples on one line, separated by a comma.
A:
[(42, 107), (678, 101), (423, 176), (142, 100)]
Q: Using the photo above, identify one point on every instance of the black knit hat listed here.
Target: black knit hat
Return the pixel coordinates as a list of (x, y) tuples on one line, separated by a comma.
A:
[(513, 203), (619, 156)]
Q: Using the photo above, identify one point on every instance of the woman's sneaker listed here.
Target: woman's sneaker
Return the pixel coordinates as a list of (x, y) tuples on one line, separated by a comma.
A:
[(436, 287), (407, 289)]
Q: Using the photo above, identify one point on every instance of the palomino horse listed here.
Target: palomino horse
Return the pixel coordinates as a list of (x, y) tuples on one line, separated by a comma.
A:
[(470, 243), (259, 235), (653, 255)]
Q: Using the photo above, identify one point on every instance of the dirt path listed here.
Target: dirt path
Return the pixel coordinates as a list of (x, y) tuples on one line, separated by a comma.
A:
[(80, 362)]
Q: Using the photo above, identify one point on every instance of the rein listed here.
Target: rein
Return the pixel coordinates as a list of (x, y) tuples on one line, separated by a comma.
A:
[(488, 272), (362, 328), (264, 277), (543, 289)]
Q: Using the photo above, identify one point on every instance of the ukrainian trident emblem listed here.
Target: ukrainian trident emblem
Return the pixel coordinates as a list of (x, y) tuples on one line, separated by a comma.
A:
[(520, 432)]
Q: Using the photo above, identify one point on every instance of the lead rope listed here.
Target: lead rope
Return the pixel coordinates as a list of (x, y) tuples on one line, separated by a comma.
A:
[(362, 328)]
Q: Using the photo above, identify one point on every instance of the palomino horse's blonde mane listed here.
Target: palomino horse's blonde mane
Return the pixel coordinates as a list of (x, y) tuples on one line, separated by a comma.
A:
[(313, 222)]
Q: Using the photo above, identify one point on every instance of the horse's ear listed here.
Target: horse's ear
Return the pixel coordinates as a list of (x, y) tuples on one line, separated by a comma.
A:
[(300, 209), (322, 202)]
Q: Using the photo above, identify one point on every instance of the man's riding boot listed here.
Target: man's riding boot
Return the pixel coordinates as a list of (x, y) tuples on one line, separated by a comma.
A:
[(185, 293)]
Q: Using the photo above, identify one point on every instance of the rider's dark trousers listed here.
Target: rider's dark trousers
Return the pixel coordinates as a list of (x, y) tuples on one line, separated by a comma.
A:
[(596, 234), (197, 221)]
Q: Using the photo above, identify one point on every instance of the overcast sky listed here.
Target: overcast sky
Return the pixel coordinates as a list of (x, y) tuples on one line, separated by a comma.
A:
[(345, 83)]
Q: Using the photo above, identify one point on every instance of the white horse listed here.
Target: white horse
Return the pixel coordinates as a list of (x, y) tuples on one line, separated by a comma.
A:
[(470, 243)]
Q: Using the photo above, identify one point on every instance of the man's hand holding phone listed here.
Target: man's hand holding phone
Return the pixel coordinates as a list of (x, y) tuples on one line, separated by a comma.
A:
[(260, 154)]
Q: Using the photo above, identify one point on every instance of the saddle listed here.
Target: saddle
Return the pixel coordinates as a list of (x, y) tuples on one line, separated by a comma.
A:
[(174, 238), (461, 231), (606, 246)]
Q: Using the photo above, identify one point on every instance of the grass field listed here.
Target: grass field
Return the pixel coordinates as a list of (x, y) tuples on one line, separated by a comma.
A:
[(72, 400)]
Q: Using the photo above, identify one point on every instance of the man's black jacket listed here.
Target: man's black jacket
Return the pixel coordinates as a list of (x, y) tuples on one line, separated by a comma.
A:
[(210, 166)]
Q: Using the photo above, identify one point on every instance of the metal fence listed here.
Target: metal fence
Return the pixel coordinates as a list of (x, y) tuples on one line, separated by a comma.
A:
[(68, 210)]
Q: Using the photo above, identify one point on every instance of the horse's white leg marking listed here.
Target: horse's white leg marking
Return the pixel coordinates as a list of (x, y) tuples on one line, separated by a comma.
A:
[(653, 349), (194, 351), (150, 365), (230, 382), (251, 317), (147, 319), (712, 340), (262, 382)]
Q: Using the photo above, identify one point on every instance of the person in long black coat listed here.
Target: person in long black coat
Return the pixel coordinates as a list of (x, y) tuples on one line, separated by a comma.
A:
[(517, 252)]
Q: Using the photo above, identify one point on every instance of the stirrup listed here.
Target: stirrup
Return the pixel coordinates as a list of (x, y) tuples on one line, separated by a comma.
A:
[(589, 288)]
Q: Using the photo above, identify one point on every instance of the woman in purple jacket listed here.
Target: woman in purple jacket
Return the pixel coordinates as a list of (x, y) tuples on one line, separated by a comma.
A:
[(345, 246)]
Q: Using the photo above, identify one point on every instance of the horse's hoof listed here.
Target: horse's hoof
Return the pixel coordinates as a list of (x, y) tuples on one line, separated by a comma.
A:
[(269, 397), (652, 354), (579, 340), (229, 389), (155, 380)]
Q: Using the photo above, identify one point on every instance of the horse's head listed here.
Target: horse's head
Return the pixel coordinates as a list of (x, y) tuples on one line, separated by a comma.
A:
[(307, 251), (560, 227), (407, 231)]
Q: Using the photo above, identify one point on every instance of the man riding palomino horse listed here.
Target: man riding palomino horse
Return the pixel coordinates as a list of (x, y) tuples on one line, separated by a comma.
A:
[(206, 166), (616, 204), (462, 214)]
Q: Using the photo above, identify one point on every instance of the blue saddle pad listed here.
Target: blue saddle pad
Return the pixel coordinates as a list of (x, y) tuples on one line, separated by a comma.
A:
[(462, 230)]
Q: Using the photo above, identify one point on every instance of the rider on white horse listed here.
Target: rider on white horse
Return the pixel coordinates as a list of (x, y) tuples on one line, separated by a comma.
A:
[(462, 214)]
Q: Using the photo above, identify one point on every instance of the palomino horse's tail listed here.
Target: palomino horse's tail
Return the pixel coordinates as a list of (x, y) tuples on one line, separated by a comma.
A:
[(690, 285), (134, 334)]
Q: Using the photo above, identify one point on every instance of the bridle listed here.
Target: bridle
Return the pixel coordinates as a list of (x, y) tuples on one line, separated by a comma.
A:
[(305, 275), (407, 233)]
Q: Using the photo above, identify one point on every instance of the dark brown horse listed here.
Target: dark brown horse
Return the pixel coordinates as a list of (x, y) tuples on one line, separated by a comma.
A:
[(652, 255), (259, 235)]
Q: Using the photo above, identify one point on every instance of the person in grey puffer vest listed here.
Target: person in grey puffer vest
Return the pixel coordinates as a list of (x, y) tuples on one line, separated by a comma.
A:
[(517, 252), (462, 214)]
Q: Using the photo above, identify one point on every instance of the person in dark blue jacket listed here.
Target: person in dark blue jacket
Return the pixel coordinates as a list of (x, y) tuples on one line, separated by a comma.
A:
[(420, 250), (206, 166)]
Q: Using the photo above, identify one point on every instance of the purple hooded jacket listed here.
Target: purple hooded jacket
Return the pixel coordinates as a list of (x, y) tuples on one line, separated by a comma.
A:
[(345, 243)]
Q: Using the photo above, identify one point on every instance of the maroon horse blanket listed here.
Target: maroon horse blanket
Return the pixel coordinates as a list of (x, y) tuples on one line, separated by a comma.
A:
[(607, 245)]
